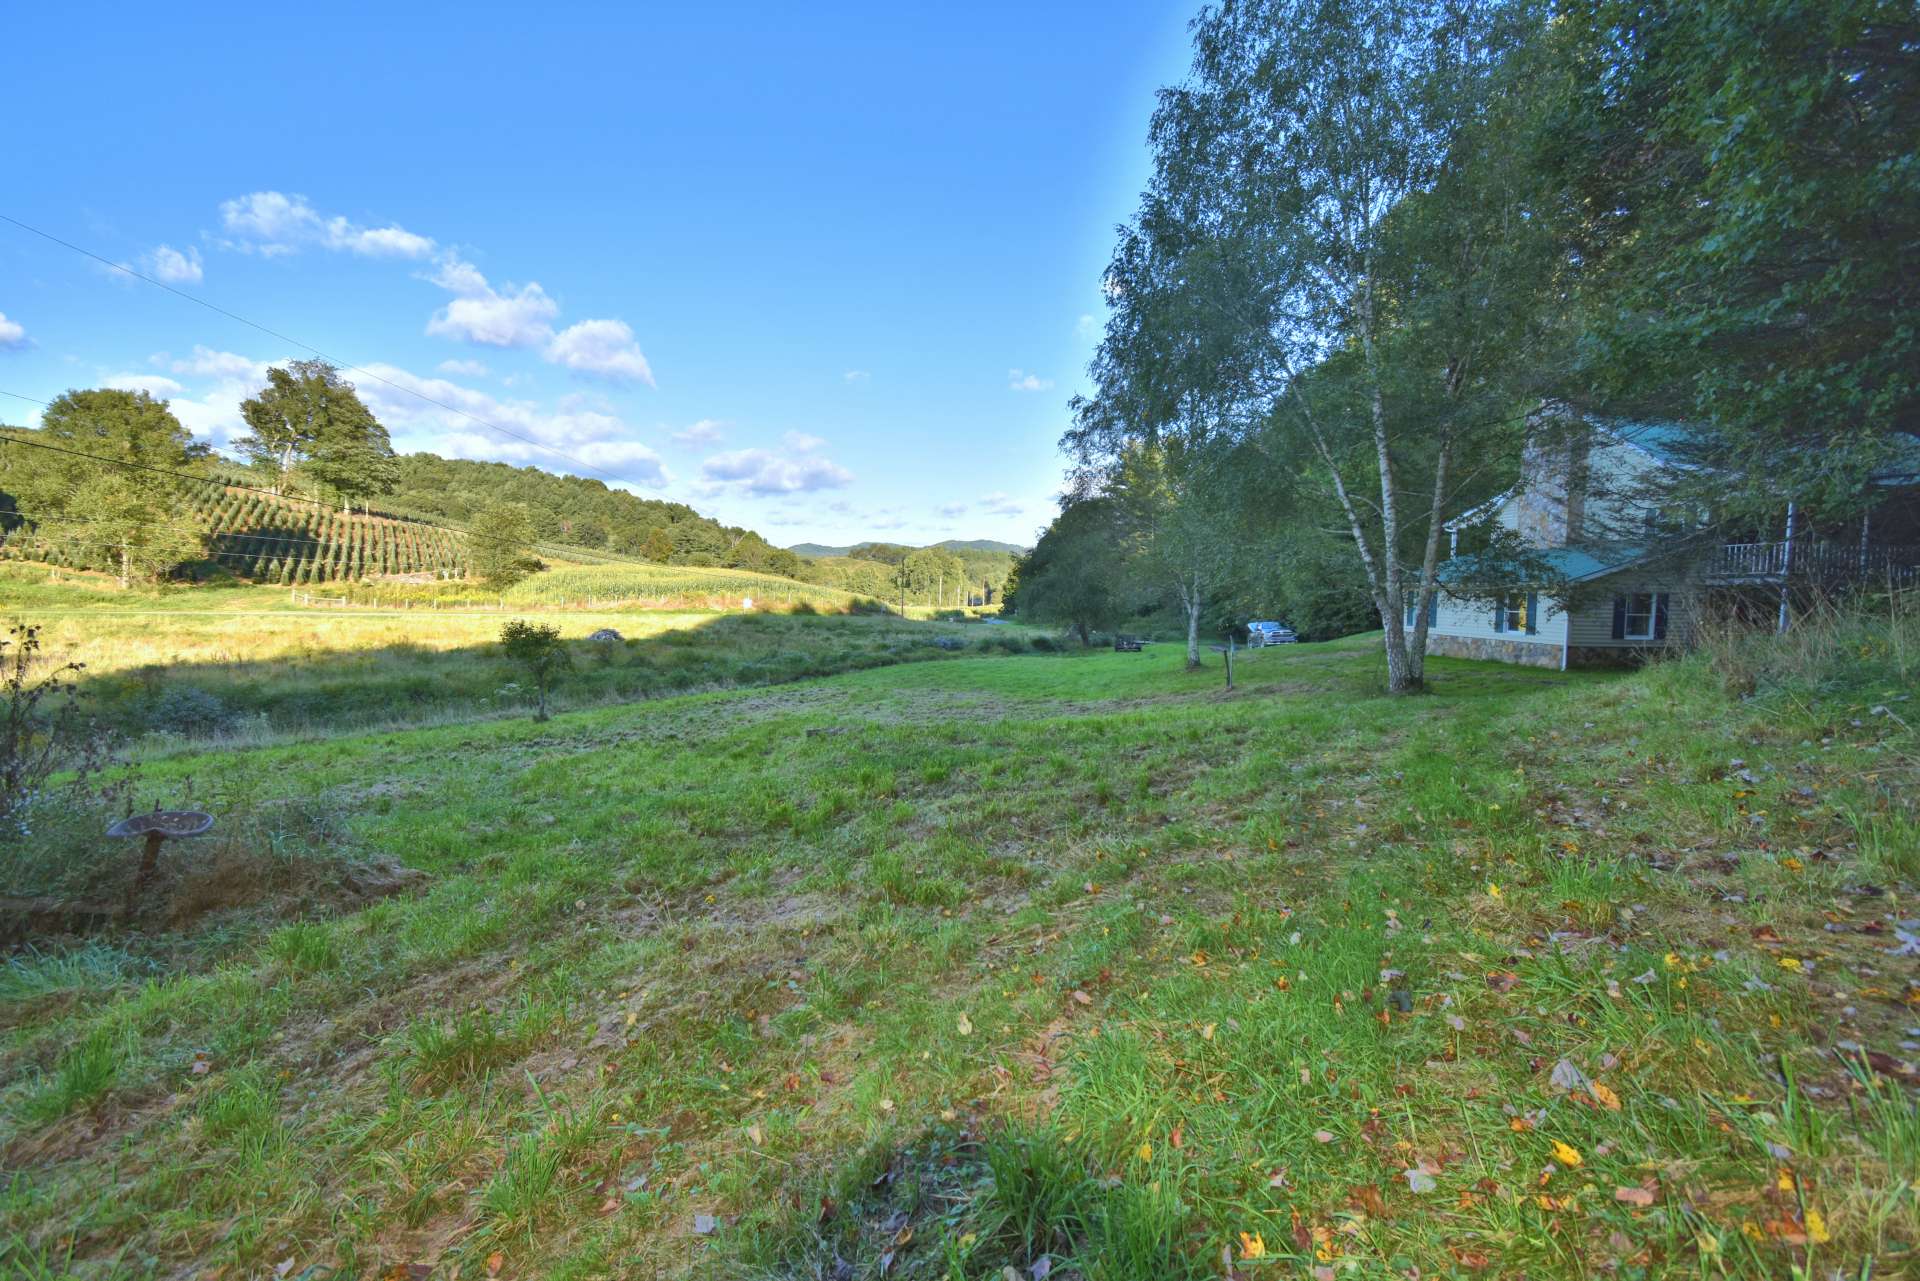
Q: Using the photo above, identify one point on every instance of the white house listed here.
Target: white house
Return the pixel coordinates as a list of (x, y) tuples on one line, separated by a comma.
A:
[(1585, 504)]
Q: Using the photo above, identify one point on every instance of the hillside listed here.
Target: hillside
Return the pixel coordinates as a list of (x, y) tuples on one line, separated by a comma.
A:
[(579, 512), (950, 968), (980, 567), (263, 538), (822, 551)]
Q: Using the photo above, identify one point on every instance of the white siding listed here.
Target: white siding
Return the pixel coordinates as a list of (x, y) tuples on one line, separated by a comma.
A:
[(1475, 619)]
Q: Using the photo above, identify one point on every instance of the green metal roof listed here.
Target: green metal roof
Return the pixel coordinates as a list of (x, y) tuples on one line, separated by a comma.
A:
[(1565, 564)]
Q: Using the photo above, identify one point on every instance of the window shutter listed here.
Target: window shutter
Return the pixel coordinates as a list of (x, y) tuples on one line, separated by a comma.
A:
[(1660, 616), (1433, 610), (1533, 613), (1500, 614), (1619, 617)]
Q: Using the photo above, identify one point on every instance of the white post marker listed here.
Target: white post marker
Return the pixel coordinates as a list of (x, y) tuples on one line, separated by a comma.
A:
[(746, 602)]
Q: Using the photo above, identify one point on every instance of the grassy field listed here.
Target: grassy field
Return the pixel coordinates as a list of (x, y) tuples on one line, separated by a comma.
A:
[(1069, 963), (245, 663)]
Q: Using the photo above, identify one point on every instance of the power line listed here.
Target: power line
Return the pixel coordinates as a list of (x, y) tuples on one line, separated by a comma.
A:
[(274, 333), (159, 471)]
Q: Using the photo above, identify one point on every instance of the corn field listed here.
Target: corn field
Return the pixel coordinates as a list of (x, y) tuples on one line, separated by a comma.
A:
[(645, 584)]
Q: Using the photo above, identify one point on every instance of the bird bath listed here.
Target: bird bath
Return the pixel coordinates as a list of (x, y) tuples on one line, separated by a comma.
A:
[(158, 827)]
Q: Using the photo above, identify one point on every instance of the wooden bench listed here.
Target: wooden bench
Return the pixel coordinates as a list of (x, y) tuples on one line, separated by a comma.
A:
[(1126, 644)]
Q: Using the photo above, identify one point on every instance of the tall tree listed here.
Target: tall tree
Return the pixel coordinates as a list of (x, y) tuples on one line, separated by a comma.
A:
[(1336, 258), (307, 414), (1178, 528), (1075, 574), (657, 547), (500, 545), (1752, 219), (105, 493)]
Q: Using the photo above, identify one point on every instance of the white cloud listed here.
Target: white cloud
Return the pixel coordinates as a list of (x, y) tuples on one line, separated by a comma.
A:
[(213, 412), (590, 437), (708, 431), (1018, 381), (159, 386), (856, 376), (603, 347), (207, 362), (759, 471), (801, 443), (267, 221), (12, 332), (999, 504), (1086, 326), (952, 510), (273, 223), (521, 318), (174, 267), (458, 276), (465, 368), (376, 242)]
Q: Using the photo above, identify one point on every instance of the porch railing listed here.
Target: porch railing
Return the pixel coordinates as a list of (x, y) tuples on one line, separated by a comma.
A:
[(1815, 560)]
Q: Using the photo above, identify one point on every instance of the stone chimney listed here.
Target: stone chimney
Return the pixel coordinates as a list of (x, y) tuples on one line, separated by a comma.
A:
[(1550, 510)]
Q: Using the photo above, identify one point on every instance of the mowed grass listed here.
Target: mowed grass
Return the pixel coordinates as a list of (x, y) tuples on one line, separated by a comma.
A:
[(943, 969), (244, 663)]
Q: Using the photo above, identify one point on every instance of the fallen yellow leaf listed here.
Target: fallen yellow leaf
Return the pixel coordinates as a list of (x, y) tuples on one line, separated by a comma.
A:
[(1145, 1152), (1566, 1155), (1789, 962), (1817, 1227), (1251, 1246), (965, 1024), (1206, 1033), (1604, 1096)]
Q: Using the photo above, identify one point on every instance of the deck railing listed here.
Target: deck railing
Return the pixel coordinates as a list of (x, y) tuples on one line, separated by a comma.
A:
[(1815, 560)]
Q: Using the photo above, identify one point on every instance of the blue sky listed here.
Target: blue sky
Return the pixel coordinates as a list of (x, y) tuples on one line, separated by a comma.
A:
[(831, 271)]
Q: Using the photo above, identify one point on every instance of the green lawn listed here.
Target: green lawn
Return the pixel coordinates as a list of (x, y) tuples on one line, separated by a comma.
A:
[(936, 970)]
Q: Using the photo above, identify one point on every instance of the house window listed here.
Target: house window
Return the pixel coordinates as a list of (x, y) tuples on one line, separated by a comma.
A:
[(1517, 612), (1639, 616), (1412, 610)]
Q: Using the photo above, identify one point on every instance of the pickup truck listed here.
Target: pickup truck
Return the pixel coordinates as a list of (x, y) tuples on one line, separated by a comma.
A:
[(1269, 633)]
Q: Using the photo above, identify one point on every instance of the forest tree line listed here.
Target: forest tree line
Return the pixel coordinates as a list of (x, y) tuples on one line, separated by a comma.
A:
[(1379, 234)]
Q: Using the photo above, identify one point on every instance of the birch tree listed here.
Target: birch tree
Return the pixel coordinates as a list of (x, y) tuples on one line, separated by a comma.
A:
[(1337, 259)]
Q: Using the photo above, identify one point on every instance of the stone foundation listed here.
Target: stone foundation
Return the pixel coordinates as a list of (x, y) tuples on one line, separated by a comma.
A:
[(1494, 649)]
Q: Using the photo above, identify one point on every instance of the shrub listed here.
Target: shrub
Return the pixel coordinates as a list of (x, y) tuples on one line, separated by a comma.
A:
[(188, 710), (536, 649), (1860, 647), (1045, 645), (40, 724)]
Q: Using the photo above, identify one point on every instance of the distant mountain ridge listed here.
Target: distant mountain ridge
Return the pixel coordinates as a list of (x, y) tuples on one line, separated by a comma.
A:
[(821, 550)]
